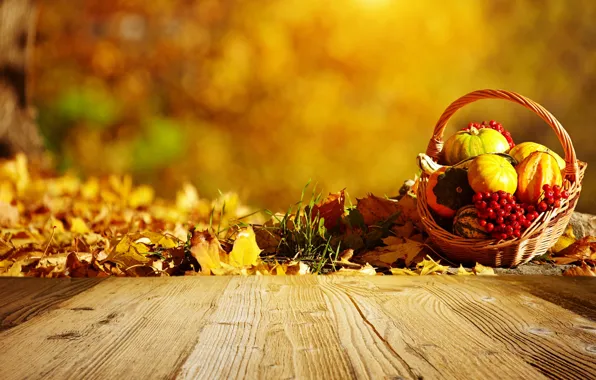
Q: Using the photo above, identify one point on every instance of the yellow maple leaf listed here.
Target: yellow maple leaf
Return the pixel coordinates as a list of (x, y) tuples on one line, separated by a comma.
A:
[(128, 253), (158, 239), (207, 250), (461, 271), (245, 250)]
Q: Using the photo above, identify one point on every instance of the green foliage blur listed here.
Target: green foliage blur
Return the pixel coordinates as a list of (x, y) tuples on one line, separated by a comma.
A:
[(260, 96)]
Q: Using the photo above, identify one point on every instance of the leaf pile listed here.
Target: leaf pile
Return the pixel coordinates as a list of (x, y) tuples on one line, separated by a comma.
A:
[(61, 226), (55, 226)]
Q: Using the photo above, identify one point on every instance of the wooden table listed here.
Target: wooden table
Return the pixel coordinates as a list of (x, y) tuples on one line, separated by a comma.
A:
[(324, 327)]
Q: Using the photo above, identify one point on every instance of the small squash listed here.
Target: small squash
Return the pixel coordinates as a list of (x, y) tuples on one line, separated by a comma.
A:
[(447, 191), (535, 171), (523, 150), (472, 143), (465, 224), (491, 173)]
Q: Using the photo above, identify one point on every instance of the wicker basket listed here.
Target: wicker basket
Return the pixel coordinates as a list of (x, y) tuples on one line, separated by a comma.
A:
[(543, 232)]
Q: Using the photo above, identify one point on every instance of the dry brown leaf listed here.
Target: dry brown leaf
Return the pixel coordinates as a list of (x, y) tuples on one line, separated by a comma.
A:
[(582, 250), (375, 209), (331, 209), (397, 248), (583, 270), (405, 231), (267, 239)]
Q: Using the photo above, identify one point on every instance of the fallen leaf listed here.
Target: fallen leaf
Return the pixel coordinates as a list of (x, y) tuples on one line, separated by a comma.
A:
[(297, 268), (403, 272), (207, 250), (187, 198), (9, 214), (582, 250), (331, 209), (461, 271), (375, 209), (409, 211), (78, 226), (141, 196), (564, 241), (245, 251), (160, 240), (481, 270), (268, 239), (397, 248), (404, 231), (366, 270), (430, 266), (128, 253), (583, 270)]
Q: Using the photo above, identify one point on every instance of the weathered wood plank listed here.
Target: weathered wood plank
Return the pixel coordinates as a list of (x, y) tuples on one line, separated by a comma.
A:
[(434, 341), (270, 327), (303, 327), (123, 327), (555, 341), (24, 298), (577, 294)]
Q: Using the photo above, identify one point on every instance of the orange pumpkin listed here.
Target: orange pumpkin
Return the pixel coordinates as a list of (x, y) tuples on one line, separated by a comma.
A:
[(535, 171), (490, 173), (523, 150), (447, 191)]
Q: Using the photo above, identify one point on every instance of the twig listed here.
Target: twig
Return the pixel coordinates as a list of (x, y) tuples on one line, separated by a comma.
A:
[(49, 242)]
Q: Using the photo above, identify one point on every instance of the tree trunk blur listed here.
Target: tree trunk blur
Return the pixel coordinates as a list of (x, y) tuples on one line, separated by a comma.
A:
[(18, 131)]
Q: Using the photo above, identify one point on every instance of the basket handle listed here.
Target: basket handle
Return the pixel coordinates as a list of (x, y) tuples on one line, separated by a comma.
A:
[(435, 145)]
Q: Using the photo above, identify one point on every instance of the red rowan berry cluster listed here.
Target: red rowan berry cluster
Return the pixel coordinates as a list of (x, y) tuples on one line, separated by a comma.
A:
[(504, 218)]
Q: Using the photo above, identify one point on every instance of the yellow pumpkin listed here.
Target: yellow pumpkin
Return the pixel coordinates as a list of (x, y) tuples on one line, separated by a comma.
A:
[(535, 171), (523, 150), (491, 173)]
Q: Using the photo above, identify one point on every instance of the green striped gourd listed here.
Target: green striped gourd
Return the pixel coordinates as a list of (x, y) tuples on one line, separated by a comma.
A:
[(472, 143), (465, 224)]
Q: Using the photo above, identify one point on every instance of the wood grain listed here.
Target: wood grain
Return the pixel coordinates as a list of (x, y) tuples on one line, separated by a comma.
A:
[(302, 327), (123, 327), (24, 298), (555, 341), (577, 294)]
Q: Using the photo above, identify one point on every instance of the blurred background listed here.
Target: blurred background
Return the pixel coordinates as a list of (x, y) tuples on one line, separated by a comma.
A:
[(260, 96)]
